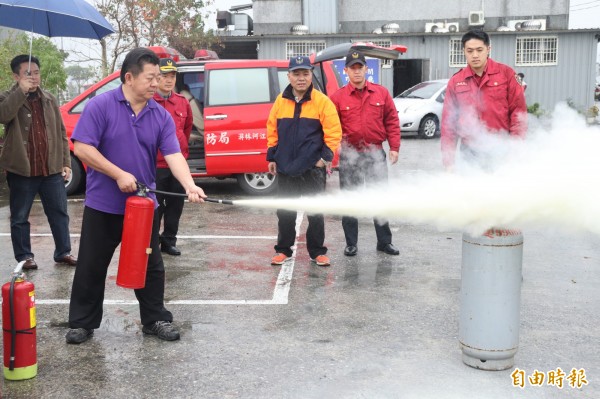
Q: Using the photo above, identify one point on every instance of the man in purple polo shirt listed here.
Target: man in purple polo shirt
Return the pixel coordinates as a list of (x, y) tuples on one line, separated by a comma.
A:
[(118, 136)]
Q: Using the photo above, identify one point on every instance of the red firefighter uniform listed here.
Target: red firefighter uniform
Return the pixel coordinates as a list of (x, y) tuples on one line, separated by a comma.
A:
[(179, 108), (494, 102), (367, 120)]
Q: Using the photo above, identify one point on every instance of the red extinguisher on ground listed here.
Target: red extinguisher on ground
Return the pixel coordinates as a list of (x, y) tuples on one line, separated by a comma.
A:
[(19, 327), (135, 241)]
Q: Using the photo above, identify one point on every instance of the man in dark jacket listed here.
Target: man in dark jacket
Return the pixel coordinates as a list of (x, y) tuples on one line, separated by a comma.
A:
[(303, 133), (36, 159)]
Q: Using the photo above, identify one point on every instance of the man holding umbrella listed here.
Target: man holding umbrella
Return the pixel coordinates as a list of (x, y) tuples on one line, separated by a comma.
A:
[(31, 116), (37, 160)]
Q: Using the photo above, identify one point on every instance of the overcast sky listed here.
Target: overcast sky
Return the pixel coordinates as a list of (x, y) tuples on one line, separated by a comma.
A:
[(584, 14)]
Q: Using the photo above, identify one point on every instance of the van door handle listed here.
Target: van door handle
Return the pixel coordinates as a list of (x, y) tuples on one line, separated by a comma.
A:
[(216, 117)]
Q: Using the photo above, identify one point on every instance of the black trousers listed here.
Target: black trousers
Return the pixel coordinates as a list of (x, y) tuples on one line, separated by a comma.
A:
[(358, 169), (100, 235), (169, 207), (310, 182)]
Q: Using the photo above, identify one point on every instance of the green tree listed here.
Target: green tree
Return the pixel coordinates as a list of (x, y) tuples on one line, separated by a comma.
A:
[(53, 75), (174, 23), (80, 75)]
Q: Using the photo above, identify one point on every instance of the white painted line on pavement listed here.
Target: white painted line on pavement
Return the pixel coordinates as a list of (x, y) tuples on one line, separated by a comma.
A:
[(174, 302), (195, 237), (284, 280), (36, 235), (229, 237), (280, 293)]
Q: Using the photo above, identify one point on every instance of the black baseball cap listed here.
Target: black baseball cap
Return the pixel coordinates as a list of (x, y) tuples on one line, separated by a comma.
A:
[(167, 65), (355, 57), (300, 63)]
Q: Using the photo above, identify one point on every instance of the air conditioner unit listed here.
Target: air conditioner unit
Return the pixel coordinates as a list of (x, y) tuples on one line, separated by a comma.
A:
[(452, 27), (476, 18), (515, 24), (534, 24), (526, 24), (441, 27)]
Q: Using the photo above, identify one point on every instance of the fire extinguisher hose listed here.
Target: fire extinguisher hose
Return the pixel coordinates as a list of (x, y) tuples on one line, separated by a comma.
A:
[(145, 189), (13, 328)]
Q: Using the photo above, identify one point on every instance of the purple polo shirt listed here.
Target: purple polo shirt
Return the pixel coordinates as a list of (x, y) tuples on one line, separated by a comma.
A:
[(128, 141)]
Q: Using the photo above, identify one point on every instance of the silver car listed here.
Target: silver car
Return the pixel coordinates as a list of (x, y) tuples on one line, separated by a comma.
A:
[(420, 108)]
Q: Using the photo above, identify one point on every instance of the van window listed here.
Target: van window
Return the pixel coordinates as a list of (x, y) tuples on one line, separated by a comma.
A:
[(238, 86), (195, 84), (112, 84), (282, 75)]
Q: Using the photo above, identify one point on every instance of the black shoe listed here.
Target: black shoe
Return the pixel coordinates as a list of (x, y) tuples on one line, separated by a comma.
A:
[(163, 330), (78, 335), (350, 250), (170, 249), (67, 260), (30, 264), (389, 249)]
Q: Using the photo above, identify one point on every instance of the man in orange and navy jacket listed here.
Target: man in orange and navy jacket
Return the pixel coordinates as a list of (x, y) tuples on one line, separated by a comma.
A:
[(485, 97), (303, 133)]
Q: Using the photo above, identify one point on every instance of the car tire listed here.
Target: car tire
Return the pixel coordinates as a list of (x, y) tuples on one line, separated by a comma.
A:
[(75, 183), (262, 183), (429, 127)]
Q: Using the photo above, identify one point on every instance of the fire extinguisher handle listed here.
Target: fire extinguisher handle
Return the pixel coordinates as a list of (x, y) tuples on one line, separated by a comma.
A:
[(19, 269), (142, 189)]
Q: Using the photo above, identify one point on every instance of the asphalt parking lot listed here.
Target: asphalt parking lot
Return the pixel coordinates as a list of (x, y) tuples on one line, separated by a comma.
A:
[(372, 326)]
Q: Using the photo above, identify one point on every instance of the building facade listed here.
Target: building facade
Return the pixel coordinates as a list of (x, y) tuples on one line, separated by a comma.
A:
[(358, 16), (532, 37)]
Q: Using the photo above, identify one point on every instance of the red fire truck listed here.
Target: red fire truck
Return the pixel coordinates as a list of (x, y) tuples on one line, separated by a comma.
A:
[(231, 100)]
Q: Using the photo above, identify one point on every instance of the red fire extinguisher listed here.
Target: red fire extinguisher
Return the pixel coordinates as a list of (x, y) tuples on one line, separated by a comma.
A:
[(19, 327), (135, 241)]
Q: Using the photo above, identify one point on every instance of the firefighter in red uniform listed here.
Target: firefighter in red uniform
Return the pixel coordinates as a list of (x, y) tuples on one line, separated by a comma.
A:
[(171, 207), (485, 97), (369, 117)]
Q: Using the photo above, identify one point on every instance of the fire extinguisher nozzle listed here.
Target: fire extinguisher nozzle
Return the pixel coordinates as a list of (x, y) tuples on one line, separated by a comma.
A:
[(219, 201)]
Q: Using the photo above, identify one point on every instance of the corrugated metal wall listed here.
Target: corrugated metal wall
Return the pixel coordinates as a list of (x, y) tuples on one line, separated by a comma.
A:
[(322, 14), (572, 79), (358, 16)]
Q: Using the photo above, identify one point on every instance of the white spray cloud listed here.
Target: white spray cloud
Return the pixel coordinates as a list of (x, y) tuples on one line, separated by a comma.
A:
[(550, 180)]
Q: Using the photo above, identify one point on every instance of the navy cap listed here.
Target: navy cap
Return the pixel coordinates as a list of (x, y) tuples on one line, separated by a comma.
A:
[(299, 63), (167, 65), (355, 57)]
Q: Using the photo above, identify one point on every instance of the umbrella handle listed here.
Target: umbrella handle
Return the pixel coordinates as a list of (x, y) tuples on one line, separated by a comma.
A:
[(30, 47)]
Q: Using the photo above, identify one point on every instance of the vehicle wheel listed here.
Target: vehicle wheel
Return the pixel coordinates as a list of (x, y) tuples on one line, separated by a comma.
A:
[(429, 128), (74, 184), (257, 183)]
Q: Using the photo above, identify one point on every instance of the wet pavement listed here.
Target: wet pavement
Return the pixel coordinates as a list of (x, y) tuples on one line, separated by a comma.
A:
[(371, 326)]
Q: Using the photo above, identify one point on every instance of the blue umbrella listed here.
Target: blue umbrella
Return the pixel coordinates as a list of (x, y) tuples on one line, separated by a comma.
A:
[(67, 18)]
